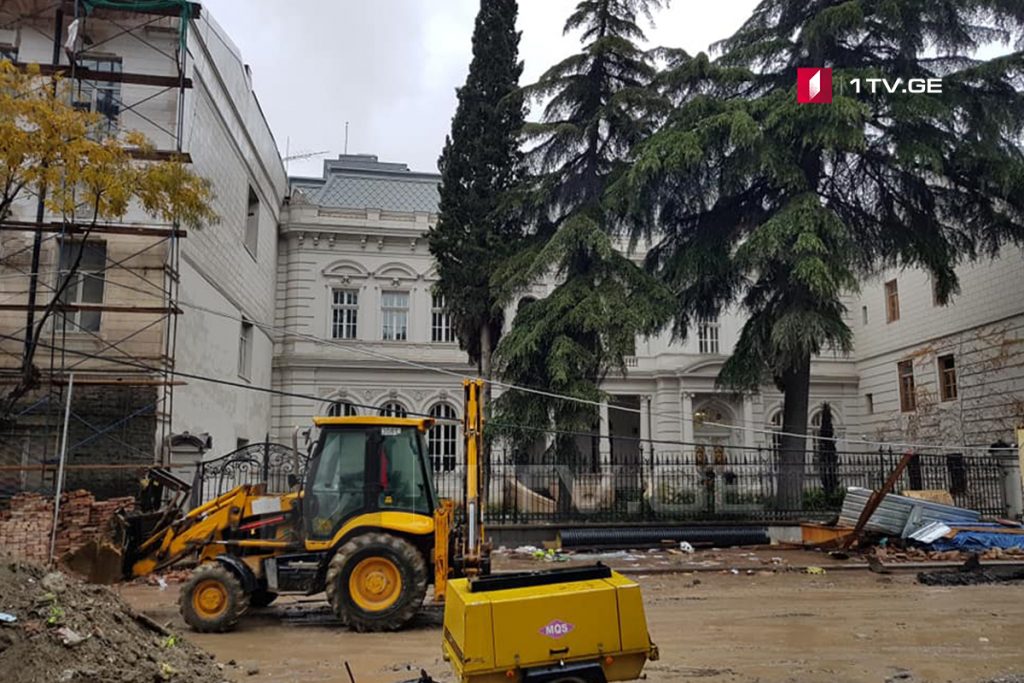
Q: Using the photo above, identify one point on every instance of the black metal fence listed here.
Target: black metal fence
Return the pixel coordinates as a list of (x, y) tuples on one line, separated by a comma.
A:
[(687, 485), (277, 465), (691, 486)]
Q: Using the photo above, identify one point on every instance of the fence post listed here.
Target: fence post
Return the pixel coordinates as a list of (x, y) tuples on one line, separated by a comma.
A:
[(266, 460), (1013, 486)]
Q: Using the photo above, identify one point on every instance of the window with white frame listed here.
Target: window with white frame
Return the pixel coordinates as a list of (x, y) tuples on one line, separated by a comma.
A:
[(341, 409), (344, 313), (394, 314), (245, 339), (443, 438), (441, 329), (252, 223), (100, 96), (85, 286), (393, 409), (707, 334)]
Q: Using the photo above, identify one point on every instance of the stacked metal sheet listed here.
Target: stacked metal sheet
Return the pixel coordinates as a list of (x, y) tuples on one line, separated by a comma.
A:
[(900, 515)]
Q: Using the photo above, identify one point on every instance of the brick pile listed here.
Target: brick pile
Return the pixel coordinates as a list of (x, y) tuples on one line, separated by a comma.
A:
[(26, 526)]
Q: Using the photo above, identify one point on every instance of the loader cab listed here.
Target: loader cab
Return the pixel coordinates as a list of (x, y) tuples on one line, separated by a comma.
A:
[(365, 465)]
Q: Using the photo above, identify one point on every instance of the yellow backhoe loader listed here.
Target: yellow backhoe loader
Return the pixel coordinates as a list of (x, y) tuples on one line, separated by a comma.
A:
[(367, 528)]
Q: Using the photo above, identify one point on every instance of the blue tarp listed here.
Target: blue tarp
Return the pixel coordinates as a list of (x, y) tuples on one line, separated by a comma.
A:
[(975, 541)]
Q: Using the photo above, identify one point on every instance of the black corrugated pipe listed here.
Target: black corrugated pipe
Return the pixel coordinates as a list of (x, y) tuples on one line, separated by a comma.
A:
[(637, 537)]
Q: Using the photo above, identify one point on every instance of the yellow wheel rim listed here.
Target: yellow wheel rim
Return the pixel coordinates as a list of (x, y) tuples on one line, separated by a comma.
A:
[(209, 599), (375, 584)]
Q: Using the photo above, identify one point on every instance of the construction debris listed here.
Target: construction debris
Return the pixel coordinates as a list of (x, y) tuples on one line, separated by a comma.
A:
[(83, 633), (900, 516), (26, 526)]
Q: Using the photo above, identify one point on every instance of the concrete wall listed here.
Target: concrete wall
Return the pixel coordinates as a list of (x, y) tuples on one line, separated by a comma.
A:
[(231, 145)]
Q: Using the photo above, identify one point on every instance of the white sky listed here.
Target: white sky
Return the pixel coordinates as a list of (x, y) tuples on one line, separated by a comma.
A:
[(390, 67)]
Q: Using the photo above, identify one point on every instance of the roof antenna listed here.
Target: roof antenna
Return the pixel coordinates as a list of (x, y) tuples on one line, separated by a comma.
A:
[(346, 138)]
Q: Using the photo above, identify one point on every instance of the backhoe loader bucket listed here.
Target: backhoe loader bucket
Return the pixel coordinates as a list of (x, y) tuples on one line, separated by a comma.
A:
[(108, 558), (584, 625)]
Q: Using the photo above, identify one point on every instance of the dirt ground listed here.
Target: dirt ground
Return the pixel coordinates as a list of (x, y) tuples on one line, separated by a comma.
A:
[(711, 626)]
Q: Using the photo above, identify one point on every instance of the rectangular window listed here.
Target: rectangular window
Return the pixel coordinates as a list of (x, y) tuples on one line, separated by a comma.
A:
[(8, 52), (864, 315), (869, 403), (441, 329), (241, 443), (908, 399), (707, 335), (245, 350), (101, 97), (394, 313), (85, 285), (947, 378), (252, 223), (344, 313), (892, 302)]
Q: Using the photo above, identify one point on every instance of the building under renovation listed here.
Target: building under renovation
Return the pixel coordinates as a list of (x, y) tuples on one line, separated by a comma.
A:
[(150, 304)]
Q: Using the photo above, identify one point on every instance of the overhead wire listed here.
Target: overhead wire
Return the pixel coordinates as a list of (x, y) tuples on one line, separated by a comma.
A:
[(772, 433)]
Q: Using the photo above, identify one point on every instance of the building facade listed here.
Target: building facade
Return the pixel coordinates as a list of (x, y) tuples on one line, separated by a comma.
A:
[(364, 333)]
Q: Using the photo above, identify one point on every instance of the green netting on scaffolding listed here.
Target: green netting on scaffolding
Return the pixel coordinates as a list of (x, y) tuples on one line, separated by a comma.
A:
[(185, 7)]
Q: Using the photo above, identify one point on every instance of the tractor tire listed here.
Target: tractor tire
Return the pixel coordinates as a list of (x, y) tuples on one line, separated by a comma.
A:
[(213, 599), (259, 598), (376, 582)]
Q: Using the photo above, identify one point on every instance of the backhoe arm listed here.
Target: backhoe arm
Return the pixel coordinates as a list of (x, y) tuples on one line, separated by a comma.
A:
[(199, 527)]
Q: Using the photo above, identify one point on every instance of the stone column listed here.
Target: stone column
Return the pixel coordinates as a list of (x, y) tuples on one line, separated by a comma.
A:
[(687, 404), (604, 442), (748, 421)]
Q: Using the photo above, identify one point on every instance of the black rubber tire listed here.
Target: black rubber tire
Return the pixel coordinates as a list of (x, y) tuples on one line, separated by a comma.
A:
[(261, 598), (237, 600), (411, 567)]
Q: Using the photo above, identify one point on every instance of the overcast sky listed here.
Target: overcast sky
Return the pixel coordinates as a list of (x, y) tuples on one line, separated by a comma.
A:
[(390, 67)]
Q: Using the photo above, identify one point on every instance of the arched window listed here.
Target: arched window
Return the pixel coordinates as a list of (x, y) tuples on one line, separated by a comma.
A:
[(341, 409), (443, 438), (393, 409)]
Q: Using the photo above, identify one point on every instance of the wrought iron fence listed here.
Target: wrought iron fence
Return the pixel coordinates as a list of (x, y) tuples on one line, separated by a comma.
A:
[(692, 485), (280, 467)]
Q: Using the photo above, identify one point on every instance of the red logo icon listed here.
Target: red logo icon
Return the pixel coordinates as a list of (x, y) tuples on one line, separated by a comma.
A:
[(556, 629), (813, 86)]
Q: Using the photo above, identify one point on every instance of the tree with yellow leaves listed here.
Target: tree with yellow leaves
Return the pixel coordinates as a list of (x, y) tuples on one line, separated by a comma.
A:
[(63, 159)]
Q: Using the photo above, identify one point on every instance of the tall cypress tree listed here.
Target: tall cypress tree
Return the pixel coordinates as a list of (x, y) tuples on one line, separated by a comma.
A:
[(598, 107), (782, 206), (480, 162)]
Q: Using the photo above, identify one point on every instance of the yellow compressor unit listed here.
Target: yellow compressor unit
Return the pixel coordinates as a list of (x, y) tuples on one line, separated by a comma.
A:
[(575, 625)]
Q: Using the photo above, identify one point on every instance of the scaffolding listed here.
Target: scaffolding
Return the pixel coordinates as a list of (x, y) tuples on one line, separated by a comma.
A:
[(120, 349)]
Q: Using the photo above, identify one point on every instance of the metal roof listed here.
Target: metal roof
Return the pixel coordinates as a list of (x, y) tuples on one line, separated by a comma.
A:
[(360, 181)]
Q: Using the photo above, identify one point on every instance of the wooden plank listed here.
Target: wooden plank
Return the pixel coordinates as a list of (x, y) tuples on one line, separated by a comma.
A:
[(160, 155), (98, 229), (83, 74), (932, 496), (103, 308)]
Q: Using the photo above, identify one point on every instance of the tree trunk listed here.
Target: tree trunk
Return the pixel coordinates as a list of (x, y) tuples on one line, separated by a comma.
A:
[(796, 386)]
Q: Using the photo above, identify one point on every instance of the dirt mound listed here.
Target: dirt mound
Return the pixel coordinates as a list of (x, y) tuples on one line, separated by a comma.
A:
[(70, 632)]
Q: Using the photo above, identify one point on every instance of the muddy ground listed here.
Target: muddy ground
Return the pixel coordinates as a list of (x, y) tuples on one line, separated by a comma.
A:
[(711, 626)]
